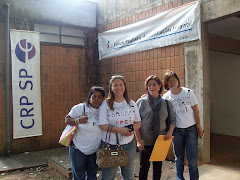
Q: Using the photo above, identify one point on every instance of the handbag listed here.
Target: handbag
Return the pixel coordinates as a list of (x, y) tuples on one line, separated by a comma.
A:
[(107, 157), (67, 134)]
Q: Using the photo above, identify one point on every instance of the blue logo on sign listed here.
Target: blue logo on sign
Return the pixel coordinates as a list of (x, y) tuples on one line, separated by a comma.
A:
[(24, 50)]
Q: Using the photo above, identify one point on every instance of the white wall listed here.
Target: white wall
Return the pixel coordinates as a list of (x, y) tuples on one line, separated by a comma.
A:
[(225, 93), (72, 12)]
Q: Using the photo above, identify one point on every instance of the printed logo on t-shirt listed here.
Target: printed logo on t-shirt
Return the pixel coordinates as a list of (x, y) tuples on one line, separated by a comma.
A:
[(124, 122), (182, 104), (92, 118), (125, 113)]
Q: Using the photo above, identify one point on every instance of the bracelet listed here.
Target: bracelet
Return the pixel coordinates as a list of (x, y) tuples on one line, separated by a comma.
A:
[(76, 120), (66, 119)]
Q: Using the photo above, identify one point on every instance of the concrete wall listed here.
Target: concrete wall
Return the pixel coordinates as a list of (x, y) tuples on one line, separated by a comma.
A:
[(225, 90), (197, 78), (72, 12), (2, 85), (212, 10)]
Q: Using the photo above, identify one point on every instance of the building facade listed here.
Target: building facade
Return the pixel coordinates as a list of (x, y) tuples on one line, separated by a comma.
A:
[(198, 63), (195, 62), (67, 32)]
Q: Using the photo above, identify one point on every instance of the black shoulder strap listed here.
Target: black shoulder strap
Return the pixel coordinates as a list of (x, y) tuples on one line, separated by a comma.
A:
[(168, 122), (167, 106), (84, 113)]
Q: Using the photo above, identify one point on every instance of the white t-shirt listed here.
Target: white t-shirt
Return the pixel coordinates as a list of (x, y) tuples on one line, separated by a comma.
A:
[(122, 115), (87, 137), (182, 106)]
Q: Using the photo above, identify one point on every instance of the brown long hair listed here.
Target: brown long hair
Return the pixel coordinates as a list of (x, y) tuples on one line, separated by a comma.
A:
[(110, 98)]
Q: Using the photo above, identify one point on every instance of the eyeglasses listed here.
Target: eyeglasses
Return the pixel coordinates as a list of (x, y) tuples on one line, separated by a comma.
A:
[(154, 85)]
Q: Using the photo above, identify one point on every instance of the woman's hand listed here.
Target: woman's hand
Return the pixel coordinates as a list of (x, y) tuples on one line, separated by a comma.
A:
[(72, 121), (200, 132), (83, 120), (126, 131), (197, 119), (140, 145), (122, 130), (168, 135)]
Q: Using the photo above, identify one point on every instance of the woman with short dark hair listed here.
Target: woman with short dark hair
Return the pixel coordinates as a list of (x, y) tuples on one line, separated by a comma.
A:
[(154, 112)]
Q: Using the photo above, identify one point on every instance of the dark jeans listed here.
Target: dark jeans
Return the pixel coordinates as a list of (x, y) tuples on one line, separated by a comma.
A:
[(145, 165), (83, 165), (186, 139)]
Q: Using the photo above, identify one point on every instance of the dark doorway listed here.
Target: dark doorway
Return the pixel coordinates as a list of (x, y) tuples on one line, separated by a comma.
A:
[(225, 151)]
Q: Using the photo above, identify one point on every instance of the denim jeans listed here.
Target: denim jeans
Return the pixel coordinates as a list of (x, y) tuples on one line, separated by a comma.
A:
[(83, 166), (126, 171), (145, 165), (186, 139)]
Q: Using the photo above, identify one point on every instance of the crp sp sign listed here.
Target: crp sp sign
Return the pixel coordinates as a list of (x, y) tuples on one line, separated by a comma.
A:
[(26, 107), (27, 115)]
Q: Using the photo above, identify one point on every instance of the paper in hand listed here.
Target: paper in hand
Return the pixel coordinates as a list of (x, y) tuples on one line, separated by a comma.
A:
[(160, 149)]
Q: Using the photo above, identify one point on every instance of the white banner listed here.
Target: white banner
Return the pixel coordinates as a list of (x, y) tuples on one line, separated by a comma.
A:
[(26, 90), (178, 25)]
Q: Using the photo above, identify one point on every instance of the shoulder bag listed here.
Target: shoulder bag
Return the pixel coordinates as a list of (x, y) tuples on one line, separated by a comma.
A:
[(68, 132), (107, 157)]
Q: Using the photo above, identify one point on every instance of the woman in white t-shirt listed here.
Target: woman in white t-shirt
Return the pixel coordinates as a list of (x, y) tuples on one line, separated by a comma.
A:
[(188, 127), (87, 137), (119, 111)]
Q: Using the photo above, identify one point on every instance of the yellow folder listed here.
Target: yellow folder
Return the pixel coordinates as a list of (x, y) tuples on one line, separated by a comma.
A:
[(160, 149)]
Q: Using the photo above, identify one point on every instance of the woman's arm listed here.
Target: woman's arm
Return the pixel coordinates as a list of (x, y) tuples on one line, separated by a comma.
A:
[(137, 125), (172, 118), (169, 132), (73, 121), (140, 143), (122, 130), (197, 119)]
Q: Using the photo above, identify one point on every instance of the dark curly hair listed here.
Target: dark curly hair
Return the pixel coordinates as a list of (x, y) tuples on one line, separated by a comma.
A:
[(91, 91)]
